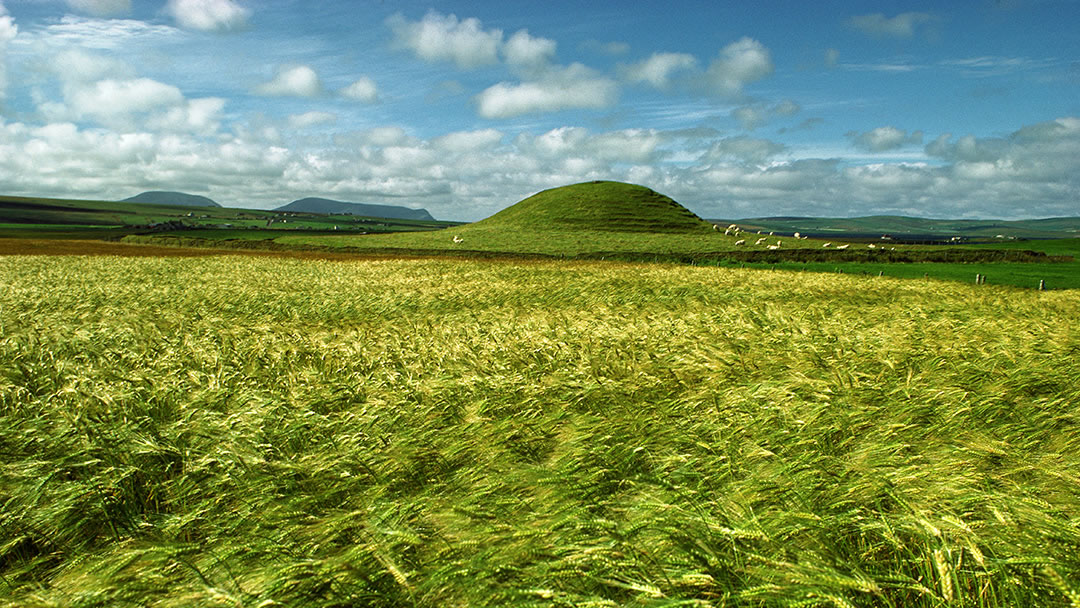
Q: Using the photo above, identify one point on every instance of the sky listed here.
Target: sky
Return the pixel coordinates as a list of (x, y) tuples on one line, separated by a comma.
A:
[(960, 109)]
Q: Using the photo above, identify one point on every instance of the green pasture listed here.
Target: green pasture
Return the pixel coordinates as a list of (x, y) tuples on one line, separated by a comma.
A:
[(250, 431)]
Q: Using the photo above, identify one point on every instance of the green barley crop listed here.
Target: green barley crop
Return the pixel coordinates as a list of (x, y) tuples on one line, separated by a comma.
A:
[(229, 431)]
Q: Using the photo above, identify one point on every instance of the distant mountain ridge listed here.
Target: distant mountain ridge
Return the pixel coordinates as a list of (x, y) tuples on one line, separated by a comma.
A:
[(159, 197), (327, 206)]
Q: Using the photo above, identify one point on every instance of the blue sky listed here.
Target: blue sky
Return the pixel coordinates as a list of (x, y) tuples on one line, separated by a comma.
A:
[(959, 109)]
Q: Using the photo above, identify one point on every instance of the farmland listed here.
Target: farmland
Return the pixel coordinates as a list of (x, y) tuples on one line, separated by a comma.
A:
[(252, 431)]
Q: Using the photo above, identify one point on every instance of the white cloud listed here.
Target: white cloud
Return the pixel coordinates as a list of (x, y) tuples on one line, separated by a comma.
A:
[(750, 117), (8, 31), (743, 149), (208, 15), (111, 99), (878, 25), (528, 52), (77, 66), (363, 89), (99, 34), (308, 119), (625, 146), (575, 86), (201, 116), (439, 37), (468, 141), (292, 81), (883, 139), (657, 69), (753, 116), (740, 63), (101, 8)]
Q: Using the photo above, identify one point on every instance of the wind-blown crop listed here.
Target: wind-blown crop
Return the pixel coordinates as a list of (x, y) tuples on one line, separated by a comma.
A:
[(269, 432)]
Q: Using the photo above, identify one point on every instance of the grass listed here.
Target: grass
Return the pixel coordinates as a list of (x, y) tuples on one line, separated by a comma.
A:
[(272, 432)]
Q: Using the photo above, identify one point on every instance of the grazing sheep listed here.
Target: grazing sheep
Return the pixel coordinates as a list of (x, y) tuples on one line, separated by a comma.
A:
[(871, 246), (826, 245), (458, 239), (774, 246), (759, 241), (716, 227), (740, 242), (797, 235), (844, 246), (778, 242)]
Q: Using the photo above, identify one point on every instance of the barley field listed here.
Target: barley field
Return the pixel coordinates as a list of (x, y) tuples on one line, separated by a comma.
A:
[(258, 432)]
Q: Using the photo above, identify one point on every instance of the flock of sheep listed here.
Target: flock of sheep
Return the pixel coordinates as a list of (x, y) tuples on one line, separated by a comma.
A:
[(734, 229)]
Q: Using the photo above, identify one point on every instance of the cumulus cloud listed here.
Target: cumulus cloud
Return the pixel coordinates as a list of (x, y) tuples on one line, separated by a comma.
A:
[(883, 139), (743, 149), (439, 37), (575, 86), (880, 26), (200, 116), (101, 8), (658, 69), (8, 31), (309, 119), (468, 141), (292, 81), (528, 52), (753, 116), (208, 15), (107, 99), (740, 63), (363, 89)]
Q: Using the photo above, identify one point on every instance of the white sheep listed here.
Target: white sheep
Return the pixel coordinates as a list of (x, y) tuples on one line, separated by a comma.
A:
[(844, 246), (826, 245), (759, 241), (871, 246), (774, 246), (716, 227), (797, 235), (740, 242), (458, 239)]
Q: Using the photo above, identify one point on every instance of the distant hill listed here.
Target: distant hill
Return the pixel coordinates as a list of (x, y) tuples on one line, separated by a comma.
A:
[(599, 205), (330, 207), (158, 197), (1059, 227)]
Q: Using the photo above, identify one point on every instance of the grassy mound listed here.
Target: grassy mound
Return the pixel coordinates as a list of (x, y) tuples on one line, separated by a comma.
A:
[(599, 205)]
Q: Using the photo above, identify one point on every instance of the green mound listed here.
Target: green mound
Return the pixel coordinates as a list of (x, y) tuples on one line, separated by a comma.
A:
[(599, 205)]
